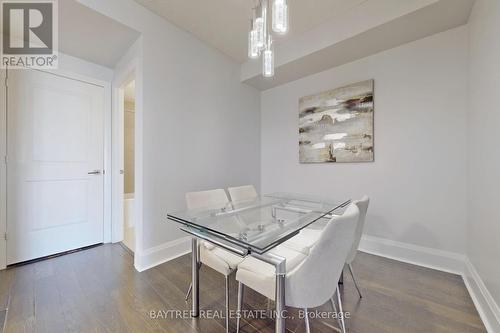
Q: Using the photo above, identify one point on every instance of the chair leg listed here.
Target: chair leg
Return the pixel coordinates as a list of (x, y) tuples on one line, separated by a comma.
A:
[(268, 308), (191, 286), (240, 305), (189, 291), (336, 313), (341, 311), (306, 318), (354, 279), (227, 304)]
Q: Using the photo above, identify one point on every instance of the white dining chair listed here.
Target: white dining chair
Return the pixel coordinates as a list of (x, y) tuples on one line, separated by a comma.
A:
[(311, 280), (363, 208), (306, 239), (242, 193), (213, 256), (207, 199)]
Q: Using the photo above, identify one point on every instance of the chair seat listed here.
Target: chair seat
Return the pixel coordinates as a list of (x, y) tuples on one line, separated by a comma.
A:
[(304, 241), (219, 259), (261, 276), (208, 245)]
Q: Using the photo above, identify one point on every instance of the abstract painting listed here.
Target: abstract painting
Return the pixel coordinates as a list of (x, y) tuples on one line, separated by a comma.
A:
[(337, 125)]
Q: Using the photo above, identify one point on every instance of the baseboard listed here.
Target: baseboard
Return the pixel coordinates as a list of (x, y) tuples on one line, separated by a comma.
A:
[(450, 262), (162, 253), (483, 300), (3, 254), (414, 254)]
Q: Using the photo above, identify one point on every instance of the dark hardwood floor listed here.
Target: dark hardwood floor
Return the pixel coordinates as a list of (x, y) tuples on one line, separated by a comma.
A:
[(98, 290)]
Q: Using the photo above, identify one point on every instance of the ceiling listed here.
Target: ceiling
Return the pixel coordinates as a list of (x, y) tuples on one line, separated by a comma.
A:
[(325, 47), (89, 35), (224, 24)]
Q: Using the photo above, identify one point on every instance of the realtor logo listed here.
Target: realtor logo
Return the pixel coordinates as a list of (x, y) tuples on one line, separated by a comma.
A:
[(29, 38)]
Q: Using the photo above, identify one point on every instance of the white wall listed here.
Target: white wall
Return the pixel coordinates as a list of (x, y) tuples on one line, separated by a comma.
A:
[(484, 152), (417, 182), (73, 65), (200, 124)]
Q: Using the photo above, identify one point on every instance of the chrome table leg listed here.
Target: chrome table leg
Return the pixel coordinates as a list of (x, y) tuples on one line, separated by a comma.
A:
[(280, 301), (280, 264), (227, 304), (195, 276), (240, 306)]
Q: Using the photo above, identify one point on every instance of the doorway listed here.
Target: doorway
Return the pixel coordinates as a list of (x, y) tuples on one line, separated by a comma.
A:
[(129, 165), (55, 165), (126, 201)]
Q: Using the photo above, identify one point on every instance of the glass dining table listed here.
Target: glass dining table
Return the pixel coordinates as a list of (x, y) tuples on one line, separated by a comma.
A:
[(253, 228)]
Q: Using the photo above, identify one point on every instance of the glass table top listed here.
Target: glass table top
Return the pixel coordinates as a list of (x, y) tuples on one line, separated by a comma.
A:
[(258, 225)]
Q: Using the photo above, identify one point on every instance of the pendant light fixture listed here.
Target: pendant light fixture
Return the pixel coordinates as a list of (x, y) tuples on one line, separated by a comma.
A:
[(260, 40), (268, 59), (280, 16), (253, 50)]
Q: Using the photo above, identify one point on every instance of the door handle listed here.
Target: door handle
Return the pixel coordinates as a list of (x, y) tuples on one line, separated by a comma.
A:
[(95, 172)]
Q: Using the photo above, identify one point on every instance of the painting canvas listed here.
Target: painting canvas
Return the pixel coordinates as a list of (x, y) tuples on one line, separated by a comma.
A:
[(337, 125)]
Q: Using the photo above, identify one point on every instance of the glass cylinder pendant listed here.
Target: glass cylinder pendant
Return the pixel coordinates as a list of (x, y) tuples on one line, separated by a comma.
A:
[(280, 16), (259, 29), (268, 60), (268, 63), (253, 50)]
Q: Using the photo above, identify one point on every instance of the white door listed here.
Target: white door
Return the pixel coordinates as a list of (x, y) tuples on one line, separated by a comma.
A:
[(55, 162)]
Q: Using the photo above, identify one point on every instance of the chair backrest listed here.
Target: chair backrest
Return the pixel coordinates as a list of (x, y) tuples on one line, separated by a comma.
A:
[(314, 281), (242, 193), (363, 207), (207, 199)]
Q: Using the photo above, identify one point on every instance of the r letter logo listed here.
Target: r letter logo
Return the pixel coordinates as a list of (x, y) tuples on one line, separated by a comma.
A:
[(29, 37)]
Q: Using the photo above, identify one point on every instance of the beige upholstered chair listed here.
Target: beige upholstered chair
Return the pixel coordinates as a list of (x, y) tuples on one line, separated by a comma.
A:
[(312, 279), (242, 193), (304, 241), (214, 257), (363, 208)]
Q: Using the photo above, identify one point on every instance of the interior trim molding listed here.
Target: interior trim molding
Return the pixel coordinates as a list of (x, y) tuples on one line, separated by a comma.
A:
[(3, 168), (488, 309), (445, 261), (162, 253)]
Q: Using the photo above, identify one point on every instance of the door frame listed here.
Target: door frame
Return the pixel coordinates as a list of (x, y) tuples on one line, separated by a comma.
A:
[(107, 158), (125, 73), (3, 168)]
